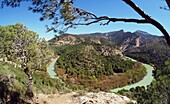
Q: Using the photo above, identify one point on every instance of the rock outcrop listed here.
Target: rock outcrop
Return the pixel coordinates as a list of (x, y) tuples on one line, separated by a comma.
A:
[(103, 98), (67, 39), (88, 98)]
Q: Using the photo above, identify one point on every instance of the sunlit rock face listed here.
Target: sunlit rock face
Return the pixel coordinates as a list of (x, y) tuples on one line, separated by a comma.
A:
[(103, 98)]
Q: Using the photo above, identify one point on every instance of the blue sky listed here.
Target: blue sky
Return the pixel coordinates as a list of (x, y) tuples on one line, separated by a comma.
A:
[(112, 8)]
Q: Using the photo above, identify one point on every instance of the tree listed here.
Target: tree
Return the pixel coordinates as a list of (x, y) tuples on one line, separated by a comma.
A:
[(30, 52), (65, 15), (26, 50)]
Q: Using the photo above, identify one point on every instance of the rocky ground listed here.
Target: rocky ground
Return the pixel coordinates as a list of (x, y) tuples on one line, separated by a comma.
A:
[(88, 98)]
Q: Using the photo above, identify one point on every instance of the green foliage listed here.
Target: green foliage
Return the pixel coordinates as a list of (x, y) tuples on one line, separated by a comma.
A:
[(22, 46), (80, 60)]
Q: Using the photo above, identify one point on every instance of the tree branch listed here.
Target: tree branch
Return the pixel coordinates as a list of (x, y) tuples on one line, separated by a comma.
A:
[(149, 19), (128, 20), (168, 3), (88, 23), (113, 20)]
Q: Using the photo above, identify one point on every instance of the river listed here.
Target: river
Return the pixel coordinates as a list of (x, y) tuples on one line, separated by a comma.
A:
[(51, 69), (144, 82)]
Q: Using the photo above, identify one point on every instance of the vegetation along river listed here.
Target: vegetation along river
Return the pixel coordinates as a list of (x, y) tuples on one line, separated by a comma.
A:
[(144, 82)]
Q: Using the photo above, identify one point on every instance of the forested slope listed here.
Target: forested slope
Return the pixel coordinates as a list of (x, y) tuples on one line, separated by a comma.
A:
[(92, 66)]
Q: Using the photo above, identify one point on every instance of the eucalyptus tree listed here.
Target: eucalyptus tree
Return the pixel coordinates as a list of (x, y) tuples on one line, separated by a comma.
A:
[(65, 15)]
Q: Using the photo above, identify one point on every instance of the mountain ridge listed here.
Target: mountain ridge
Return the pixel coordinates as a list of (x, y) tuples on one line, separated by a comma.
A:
[(123, 40)]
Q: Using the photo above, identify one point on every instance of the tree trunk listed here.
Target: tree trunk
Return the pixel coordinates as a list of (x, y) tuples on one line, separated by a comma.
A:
[(30, 87), (29, 92)]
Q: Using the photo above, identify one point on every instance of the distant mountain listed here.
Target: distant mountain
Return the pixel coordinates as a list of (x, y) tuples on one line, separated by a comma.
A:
[(123, 40)]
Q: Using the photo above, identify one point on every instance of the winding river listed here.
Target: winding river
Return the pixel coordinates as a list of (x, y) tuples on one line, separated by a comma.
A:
[(144, 82)]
